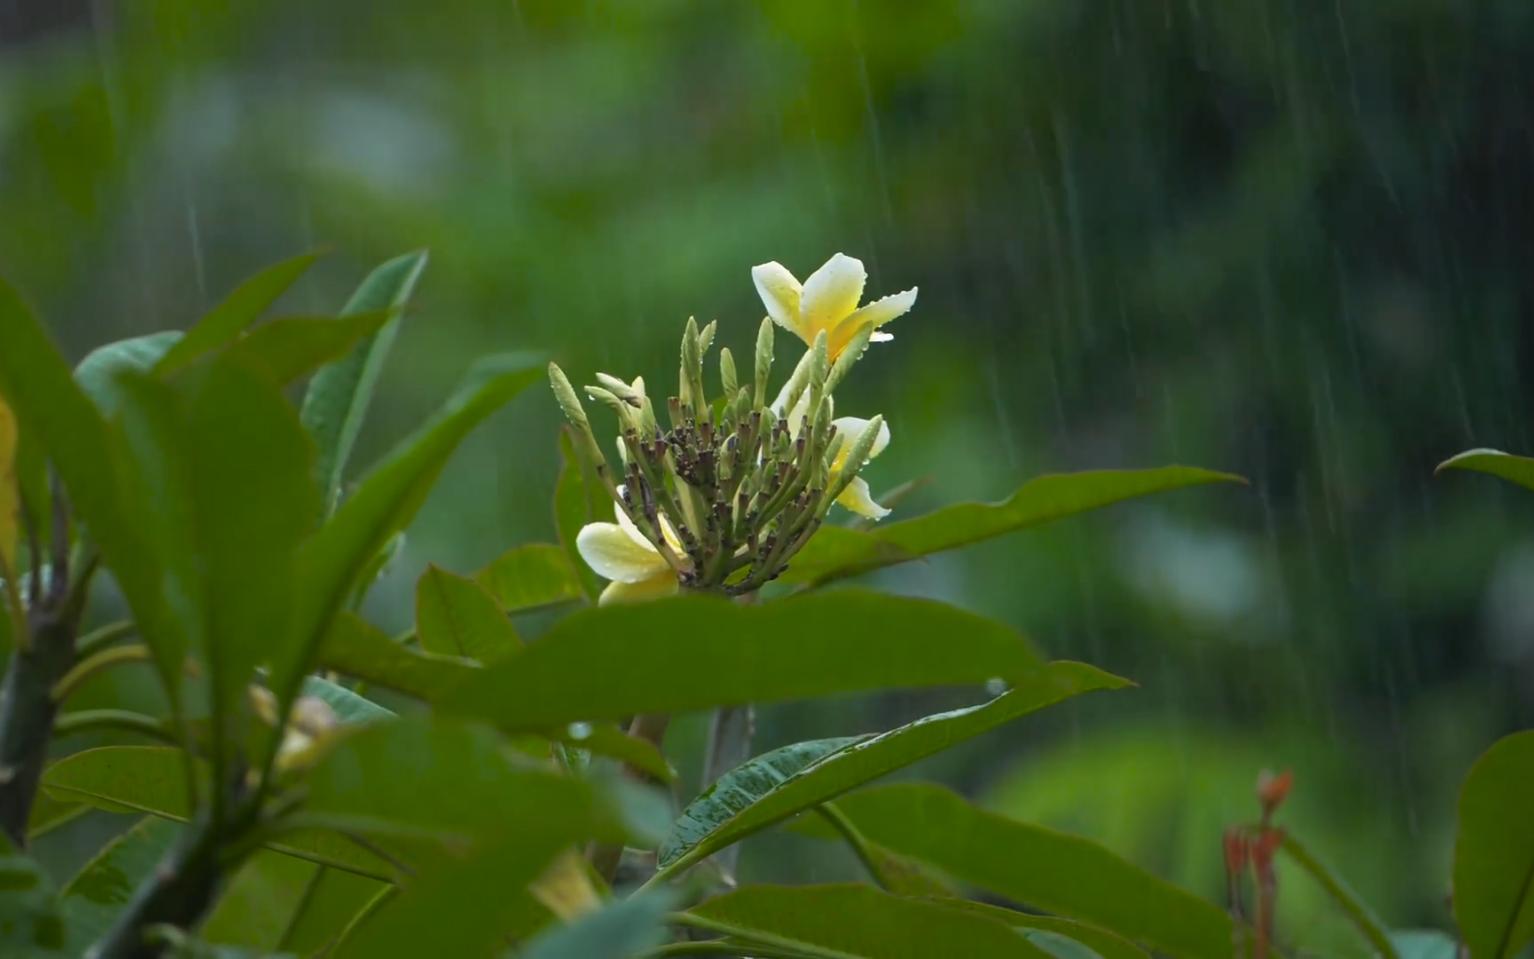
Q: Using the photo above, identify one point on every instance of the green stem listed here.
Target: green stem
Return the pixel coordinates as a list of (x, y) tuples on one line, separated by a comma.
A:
[(179, 891), (100, 638), (854, 838), (759, 943), (1368, 924), (86, 668), (91, 720)]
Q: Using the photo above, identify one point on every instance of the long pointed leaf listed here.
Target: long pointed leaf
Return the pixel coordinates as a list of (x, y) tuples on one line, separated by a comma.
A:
[(291, 347), (773, 787), (694, 652), (857, 922), (97, 373), (240, 309), (1040, 868), (387, 499), (339, 395), (837, 553), (1515, 469)]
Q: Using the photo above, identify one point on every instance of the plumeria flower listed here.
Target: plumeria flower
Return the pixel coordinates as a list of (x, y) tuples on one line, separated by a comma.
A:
[(828, 301), (857, 496), (619, 552)]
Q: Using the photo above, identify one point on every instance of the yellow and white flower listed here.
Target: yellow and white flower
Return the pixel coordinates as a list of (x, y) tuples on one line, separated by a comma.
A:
[(619, 552), (828, 301), (857, 496)]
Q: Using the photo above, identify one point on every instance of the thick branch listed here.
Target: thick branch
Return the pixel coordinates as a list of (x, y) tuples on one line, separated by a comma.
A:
[(27, 713)]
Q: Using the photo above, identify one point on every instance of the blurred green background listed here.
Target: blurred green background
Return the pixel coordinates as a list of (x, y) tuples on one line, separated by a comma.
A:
[(1280, 237)]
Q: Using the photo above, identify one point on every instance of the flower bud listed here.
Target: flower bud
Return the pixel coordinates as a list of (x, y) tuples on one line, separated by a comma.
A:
[(727, 380), (763, 361), (1272, 789)]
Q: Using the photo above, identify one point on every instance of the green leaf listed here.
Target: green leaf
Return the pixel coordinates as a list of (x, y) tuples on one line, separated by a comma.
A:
[(855, 921), (695, 652), (333, 899), (152, 779), (31, 926), (1494, 851), (242, 307), (1047, 931), (455, 616), (1040, 500), (530, 576), (1514, 469), (97, 373), (339, 395), (463, 906), (338, 556), (257, 901), (1041, 868), (770, 788), (357, 648), (350, 707), (222, 475), (606, 739), (103, 886), (371, 782), (1424, 944), (53, 412), (620, 929), (291, 347), (578, 496)]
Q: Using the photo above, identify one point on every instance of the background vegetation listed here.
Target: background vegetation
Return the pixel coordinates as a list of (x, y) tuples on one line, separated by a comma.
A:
[(1287, 239)]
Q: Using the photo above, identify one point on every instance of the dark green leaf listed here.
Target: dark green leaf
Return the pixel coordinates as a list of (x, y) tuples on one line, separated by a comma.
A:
[(242, 307), (1040, 500), (339, 395), (1514, 469), (854, 921), (1494, 851), (1041, 868), (292, 347), (667, 656), (332, 900), (97, 373), (461, 906), (621, 929), (606, 739), (371, 782), (97, 893), (756, 796), (339, 555), (527, 577), (257, 902), (31, 924), (357, 648), (455, 616), (152, 779)]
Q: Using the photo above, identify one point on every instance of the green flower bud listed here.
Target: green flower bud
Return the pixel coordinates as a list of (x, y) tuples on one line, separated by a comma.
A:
[(727, 371), (763, 367)]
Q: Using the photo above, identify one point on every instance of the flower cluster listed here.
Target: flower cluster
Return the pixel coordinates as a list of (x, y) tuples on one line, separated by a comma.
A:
[(723, 495)]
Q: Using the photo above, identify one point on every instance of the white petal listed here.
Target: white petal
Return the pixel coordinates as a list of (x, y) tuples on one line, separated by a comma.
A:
[(614, 554), (657, 586), (857, 498), (881, 337), (831, 294), (849, 428), (780, 294), (881, 311)]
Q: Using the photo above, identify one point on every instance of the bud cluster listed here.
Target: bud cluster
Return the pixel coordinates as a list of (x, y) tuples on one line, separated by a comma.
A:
[(729, 488)]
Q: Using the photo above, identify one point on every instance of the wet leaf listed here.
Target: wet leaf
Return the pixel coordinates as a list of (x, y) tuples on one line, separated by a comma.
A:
[(772, 787), (1514, 469), (239, 310), (666, 656), (847, 552)]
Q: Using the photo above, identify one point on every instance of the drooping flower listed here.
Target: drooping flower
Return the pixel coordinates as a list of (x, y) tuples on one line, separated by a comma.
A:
[(621, 553), (828, 301), (857, 496)]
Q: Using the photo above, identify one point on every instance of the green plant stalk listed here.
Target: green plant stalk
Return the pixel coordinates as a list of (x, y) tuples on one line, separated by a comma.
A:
[(100, 638), (27, 714), (1368, 924), (856, 840), (105, 659), (180, 890), (123, 720)]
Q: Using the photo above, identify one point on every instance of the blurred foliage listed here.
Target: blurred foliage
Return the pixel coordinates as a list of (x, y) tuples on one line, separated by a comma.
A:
[(1286, 238)]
